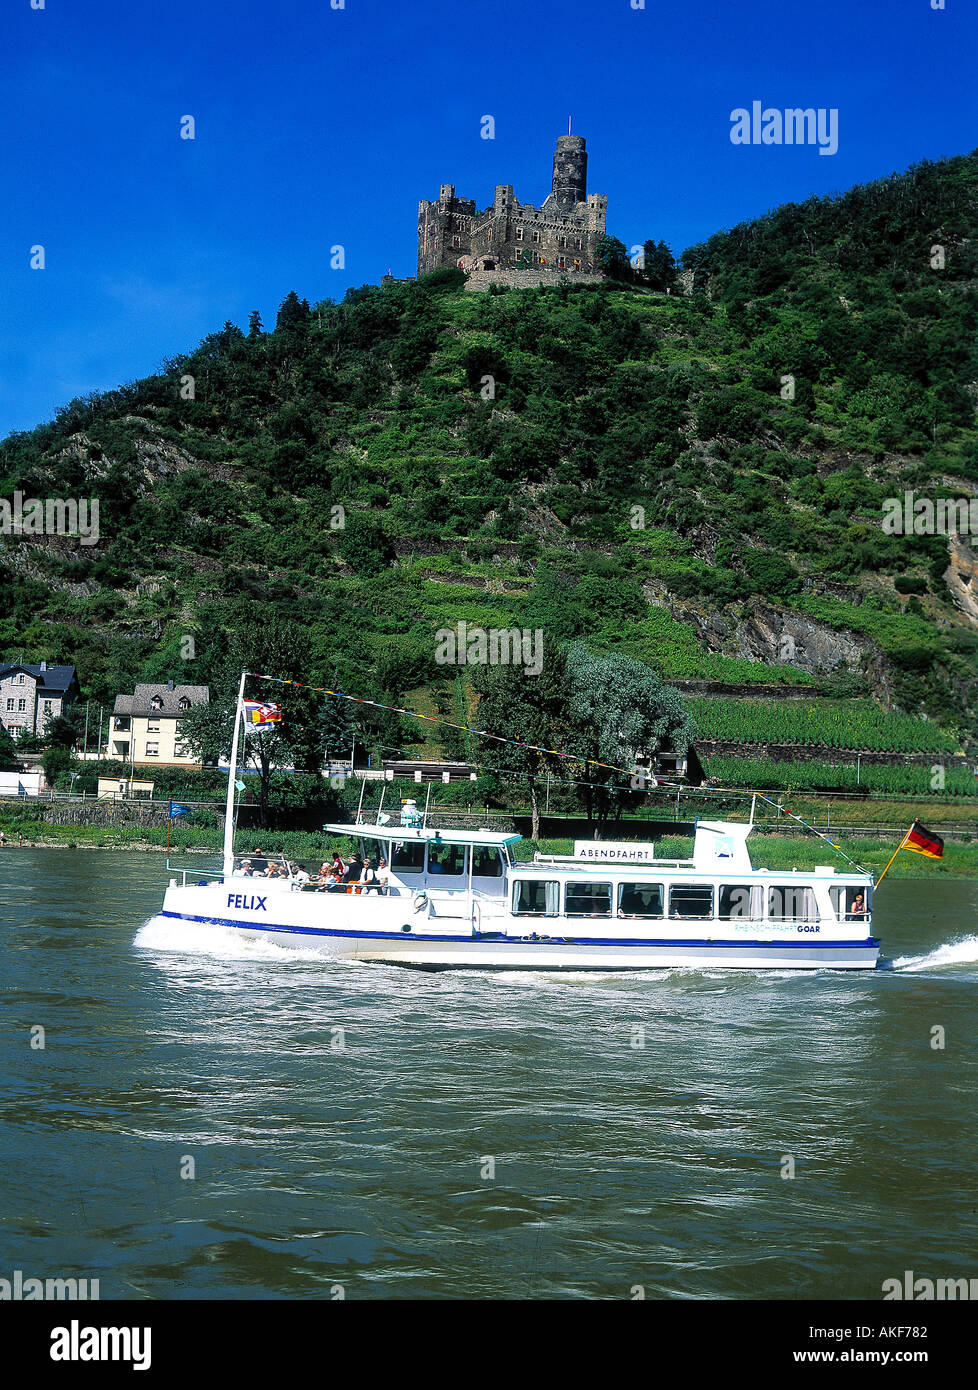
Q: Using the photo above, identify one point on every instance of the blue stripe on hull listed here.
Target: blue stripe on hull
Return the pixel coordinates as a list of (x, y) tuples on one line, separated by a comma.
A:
[(807, 943)]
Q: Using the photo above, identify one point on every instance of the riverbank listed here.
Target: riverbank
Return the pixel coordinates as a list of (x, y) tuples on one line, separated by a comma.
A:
[(767, 851)]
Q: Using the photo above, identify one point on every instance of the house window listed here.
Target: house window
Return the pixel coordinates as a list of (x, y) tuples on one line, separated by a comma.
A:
[(536, 897), (588, 900), (691, 900), (184, 703), (152, 750), (10, 704), (18, 680), (180, 750), (153, 728), (21, 706), (156, 702), (47, 706), (641, 900)]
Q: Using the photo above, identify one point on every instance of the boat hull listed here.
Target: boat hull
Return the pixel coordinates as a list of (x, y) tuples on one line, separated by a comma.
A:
[(397, 937)]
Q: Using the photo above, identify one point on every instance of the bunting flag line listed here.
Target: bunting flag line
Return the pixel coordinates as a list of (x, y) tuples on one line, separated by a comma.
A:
[(650, 782)]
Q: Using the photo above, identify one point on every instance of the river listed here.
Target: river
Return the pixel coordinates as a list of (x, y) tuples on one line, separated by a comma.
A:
[(210, 1119)]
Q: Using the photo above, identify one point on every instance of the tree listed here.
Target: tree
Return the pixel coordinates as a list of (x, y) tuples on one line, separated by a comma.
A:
[(255, 326), (270, 647), (61, 733), (293, 315), (619, 711), (8, 751), (528, 707), (659, 270), (612, 257), (337, 727)]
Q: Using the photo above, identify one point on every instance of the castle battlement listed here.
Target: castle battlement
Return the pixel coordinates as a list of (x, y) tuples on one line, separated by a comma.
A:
[(559, 236)]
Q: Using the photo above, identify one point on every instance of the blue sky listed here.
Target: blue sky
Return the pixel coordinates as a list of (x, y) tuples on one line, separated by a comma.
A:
[(317, 127)]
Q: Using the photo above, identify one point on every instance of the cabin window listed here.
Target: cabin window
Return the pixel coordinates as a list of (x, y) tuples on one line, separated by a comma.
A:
[(737, 901), (407, 858), (587, 900), (534, 897), (446, 859), (791, 903), (486, 862), (641, 900), (691, 900), (845, 906)]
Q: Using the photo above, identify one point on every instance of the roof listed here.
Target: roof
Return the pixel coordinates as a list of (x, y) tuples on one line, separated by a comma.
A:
[(433, 834), (139, 702), (51, 678)]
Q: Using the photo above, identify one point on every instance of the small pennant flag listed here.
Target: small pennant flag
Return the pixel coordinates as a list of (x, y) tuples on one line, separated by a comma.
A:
[(921, 841), (177, 810), (258, 716)]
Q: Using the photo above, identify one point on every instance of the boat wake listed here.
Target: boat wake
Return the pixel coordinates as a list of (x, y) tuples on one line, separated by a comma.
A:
[(221, 943), (964, 952)]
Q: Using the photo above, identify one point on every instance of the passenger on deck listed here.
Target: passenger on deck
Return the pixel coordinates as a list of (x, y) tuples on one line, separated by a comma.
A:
[(382, 874), (858, 908), (245, 869), (353, 870), (299, 874), (371, 881), (258, 861)]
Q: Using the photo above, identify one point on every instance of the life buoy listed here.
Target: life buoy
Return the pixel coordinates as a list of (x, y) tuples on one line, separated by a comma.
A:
[(420, 900)]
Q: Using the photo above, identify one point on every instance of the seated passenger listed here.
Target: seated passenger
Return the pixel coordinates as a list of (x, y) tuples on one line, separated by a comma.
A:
[(858, 908), (371, 881), (299, 874)]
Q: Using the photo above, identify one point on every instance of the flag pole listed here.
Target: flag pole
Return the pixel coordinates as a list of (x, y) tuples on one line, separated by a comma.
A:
[(232, 774), (895, 853)]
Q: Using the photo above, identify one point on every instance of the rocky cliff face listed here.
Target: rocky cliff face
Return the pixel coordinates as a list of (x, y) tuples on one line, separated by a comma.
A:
[(961, 577), (758, 631)]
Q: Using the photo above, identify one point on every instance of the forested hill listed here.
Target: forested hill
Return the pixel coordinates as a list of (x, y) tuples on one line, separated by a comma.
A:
[(638, 480)]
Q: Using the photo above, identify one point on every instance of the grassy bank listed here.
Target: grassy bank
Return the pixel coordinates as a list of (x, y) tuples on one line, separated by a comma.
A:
[(767, 851)]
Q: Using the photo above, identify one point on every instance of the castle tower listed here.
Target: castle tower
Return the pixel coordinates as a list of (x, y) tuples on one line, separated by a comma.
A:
[(570, 171)]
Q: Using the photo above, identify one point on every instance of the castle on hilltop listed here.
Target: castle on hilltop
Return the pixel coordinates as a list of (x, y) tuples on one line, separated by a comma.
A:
[(511, 242)]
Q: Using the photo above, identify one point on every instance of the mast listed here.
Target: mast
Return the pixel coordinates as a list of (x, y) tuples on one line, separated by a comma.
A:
[(232, 774)]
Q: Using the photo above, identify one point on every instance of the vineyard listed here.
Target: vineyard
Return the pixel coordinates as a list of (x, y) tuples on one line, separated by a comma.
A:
[(901, 781), (855, 724)]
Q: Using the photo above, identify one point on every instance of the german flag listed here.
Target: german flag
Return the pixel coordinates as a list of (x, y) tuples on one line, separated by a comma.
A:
[(921, 841)]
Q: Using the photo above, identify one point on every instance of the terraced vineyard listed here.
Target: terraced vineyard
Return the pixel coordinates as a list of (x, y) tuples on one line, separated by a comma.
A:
[(820, 776), (851, 724)]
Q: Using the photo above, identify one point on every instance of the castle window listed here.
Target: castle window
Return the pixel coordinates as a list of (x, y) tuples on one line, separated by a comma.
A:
[(536, 236), (490, 236), (577, 244), (456, 241), (561, 242), (519, 233)]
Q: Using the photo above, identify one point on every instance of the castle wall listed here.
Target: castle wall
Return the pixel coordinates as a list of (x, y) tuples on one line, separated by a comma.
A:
[(528, 279)]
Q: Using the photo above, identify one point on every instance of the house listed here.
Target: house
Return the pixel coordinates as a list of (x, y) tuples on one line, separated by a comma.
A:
[(32, 695), (118, 788), (144, 729)]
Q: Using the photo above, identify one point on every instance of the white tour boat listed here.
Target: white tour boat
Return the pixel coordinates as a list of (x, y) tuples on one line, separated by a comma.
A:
[(460, 898)]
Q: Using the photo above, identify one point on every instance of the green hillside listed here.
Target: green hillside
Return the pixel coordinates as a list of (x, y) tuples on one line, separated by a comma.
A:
[(637, 482)]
